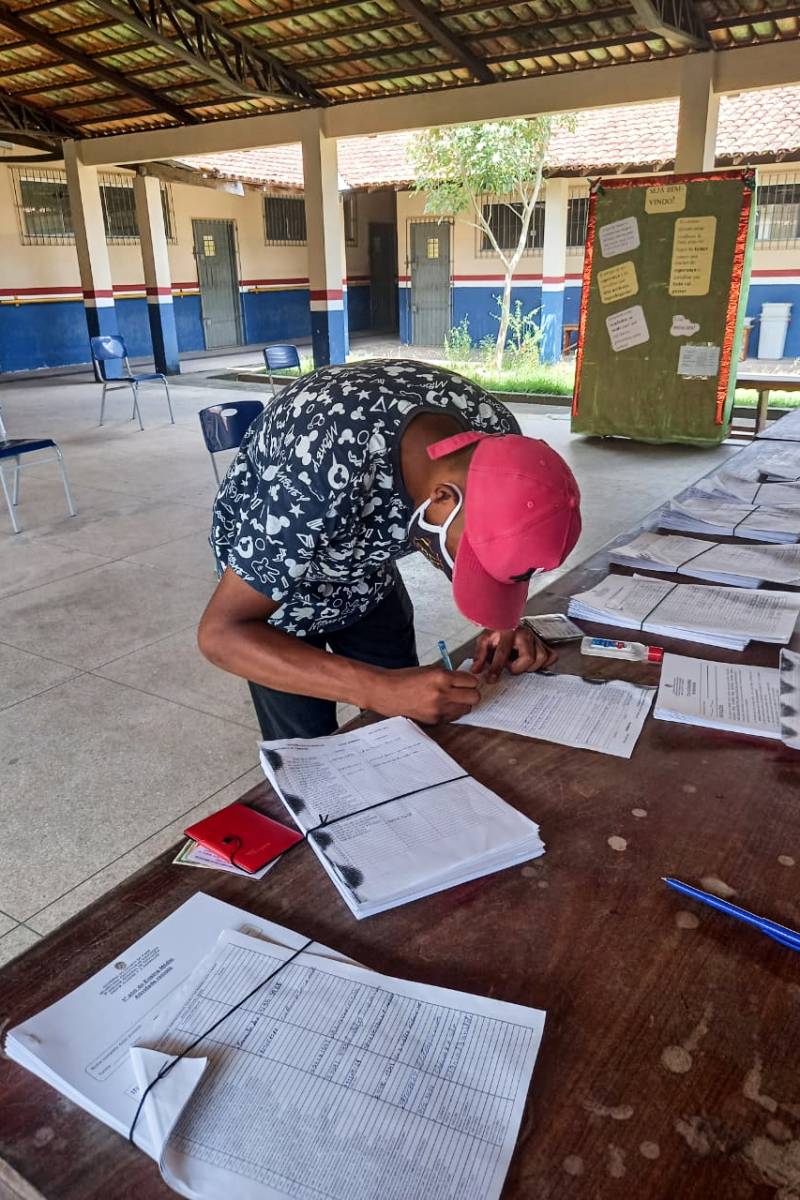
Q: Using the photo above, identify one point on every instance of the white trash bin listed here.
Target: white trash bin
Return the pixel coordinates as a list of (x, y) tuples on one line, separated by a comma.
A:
[(774, 326)]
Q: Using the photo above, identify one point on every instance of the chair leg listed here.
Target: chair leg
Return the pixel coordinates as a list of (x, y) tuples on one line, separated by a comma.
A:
[(3, 434), (169, 402), (15, 488), (272, 383), (214, 465), (72, 510), (9, 505), (136, 410), (103, 403)]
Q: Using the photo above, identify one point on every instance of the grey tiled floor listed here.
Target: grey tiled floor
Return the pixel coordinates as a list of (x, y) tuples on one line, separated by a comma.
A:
[(114, 732)]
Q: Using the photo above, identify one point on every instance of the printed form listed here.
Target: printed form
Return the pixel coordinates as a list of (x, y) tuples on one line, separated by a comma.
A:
[(335, 1083), (717, 695), (606, 715)]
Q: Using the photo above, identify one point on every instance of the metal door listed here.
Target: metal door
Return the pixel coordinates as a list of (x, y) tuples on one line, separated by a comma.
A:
[(218, 274), (383, 276), (430, 282)]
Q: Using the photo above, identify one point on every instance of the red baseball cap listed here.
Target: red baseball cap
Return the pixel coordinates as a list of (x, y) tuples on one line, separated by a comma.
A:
[(521, 515)]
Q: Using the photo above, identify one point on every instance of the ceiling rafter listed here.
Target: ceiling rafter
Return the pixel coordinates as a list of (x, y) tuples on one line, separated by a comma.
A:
[(217, 52), (441, 33), (17, 24), (676, 20), (35, 123)]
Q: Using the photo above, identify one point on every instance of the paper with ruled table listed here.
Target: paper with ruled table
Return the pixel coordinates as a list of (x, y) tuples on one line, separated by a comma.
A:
[(697, 512), (416, 822), (332, 1082), (738, 564), (606, 715), (737, 698)]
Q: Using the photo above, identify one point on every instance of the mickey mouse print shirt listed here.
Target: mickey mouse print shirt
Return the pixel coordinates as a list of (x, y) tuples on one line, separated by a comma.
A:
[(313, 512)]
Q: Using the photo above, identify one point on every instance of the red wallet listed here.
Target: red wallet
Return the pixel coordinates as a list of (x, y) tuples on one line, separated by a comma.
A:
[(244, 837)]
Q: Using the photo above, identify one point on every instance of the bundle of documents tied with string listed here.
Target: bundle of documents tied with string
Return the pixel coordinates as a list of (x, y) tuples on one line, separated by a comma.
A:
[(723, 516), (748, 479), (391, 816), (255, 1064), (737, 565), (714, 616), (785, 430)]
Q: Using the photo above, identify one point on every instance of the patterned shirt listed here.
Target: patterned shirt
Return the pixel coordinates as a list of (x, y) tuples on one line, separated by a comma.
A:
[(313, 511)]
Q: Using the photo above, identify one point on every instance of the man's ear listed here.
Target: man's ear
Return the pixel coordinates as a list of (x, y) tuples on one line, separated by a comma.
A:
[(446, 495)]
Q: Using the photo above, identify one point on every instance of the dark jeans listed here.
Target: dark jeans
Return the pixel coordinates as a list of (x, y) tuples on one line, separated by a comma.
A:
[(384, 638)]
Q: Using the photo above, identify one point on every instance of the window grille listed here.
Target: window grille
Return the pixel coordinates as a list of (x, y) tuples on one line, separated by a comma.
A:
[(45, 219), (350, 206), (778, 210), (577, 218), (285, 221), (505, 221)]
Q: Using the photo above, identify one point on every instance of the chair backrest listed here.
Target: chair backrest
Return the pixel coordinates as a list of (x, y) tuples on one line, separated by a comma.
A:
[(105, 348), (224, 425), (279, 357)]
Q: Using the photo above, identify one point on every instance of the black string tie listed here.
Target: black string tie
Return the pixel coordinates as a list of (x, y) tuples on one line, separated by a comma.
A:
[(666, 596)]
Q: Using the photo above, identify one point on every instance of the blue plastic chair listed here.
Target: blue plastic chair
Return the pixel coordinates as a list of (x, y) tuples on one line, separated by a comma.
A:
[(111, 348), (224, 426), (16, 449), (281, 358)]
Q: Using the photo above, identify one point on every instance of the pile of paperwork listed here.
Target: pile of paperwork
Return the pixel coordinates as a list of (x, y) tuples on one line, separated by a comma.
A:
[(606, 715), (697, 512), (391, 816), (760, 701), (787, 429), (738, 565), (713, 616), (329, 1080)]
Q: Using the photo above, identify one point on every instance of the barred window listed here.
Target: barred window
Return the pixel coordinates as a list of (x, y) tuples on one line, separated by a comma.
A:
[(778, 210), (119, 209), (350, 206), (577, 218), (284, 221), (45, 218), (505, 221)]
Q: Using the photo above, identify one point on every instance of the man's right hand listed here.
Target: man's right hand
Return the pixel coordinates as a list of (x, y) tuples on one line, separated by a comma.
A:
[(425, 694)]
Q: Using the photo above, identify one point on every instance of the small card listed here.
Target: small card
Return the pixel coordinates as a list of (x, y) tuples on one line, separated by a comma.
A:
[(627, 328), (619, 237)]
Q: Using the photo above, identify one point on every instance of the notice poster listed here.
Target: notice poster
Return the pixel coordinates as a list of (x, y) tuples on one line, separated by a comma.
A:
[(692, 256), (662, 306)]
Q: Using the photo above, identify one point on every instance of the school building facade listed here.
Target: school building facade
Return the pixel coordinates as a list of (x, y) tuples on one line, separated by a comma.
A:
[(238, 271)]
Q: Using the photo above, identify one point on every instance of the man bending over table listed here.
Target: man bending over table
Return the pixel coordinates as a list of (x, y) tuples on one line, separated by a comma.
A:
[(346, 471)]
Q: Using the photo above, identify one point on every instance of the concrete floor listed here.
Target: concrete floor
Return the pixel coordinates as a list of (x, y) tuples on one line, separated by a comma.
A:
[(114, 732)]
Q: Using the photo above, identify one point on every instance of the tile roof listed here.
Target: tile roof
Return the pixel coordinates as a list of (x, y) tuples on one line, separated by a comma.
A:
[(762, 126)]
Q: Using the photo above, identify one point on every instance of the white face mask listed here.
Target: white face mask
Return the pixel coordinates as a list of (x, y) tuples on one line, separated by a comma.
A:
[(432, 539)]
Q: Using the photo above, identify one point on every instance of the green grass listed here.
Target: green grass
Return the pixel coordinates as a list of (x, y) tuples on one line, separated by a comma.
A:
[(748, 399)]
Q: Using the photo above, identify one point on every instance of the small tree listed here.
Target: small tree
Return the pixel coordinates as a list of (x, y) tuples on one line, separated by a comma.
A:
[(456, 166)]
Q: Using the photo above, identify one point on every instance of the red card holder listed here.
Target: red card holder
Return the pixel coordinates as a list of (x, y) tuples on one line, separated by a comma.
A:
[(246, 838)]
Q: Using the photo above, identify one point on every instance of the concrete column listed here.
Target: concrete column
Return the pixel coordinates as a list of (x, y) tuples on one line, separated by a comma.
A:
[(157, 275), (554, 267), (90, 243), (345, 306), (325, 247), (698, 115)]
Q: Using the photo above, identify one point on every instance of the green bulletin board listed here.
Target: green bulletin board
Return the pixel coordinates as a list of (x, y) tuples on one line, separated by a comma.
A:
[(664, 287)]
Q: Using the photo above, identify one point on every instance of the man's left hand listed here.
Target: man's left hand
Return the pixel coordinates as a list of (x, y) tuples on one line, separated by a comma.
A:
[(518, 649)]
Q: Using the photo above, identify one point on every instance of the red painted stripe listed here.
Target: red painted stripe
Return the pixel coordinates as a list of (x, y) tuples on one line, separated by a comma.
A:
[(159, 291), (331, 294), (492, 278), (42, 291), (101, 294), (784, 272), (269, 282), (551, 278)]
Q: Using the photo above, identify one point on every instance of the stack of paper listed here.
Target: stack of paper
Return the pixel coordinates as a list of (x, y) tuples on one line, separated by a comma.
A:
[(599, 714), (329, 1080), (744, 482), (401, 818), (192, 854), (787, 429), (738, 565), (713, 616), (781, 465), (720, 696), (697, 512)]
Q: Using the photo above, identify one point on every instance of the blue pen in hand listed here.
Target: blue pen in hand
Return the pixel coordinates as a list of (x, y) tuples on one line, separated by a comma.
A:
[(447, 662), (786, 937)]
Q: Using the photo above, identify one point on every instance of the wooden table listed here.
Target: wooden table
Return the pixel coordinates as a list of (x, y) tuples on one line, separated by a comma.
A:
[(668, 1069), (765, 384)]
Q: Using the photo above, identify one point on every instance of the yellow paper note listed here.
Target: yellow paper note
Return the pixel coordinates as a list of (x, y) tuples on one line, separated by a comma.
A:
[(667, 198), (617, 283), (692, 256)]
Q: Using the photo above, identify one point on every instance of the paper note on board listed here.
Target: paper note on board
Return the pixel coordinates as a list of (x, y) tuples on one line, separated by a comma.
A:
[(627, 328), (617, 283), (668, 198), (683, 327), (699, 362), (619, 237), (692, 256)]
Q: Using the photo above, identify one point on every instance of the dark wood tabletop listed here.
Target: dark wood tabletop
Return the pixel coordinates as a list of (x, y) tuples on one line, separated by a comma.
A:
[(669, 1064)]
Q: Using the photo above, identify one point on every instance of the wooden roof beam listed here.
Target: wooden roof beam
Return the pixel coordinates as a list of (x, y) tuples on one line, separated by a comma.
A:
[(676, 20), (17, 24), (449, 41)]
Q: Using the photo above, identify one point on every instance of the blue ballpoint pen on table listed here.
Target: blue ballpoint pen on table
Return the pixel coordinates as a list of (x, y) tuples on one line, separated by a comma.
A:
[(780, 933), (446, 660)]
